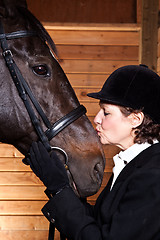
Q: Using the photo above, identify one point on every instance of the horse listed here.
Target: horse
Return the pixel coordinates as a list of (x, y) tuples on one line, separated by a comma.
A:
[(32, 78)]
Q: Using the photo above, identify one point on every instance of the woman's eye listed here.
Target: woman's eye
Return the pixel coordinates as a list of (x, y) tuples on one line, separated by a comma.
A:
[(106, 113), (41, 70)]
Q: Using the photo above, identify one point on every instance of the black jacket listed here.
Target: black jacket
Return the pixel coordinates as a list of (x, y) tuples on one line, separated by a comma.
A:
[(130, 211)]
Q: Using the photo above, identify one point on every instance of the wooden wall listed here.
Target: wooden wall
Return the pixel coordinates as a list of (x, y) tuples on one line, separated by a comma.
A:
[(88, 55), (85, 11)]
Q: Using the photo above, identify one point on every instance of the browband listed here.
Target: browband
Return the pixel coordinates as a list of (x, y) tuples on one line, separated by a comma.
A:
[(18, 34)]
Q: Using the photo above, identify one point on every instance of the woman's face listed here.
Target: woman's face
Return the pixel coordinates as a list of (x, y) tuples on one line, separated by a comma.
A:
[(113, 127)]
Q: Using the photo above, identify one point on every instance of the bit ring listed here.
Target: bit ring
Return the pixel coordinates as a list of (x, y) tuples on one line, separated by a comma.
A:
[(65, 155)]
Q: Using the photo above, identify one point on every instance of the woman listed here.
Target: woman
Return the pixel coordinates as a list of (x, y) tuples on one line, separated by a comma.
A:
[(129, 206)]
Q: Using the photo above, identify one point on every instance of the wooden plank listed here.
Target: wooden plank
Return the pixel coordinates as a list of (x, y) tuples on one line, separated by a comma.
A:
[(22, 193), (110, 150), (91, 27), (12, 223), (106, 177), (7, 150), (21, 208), (98, 52), (26, 235), (82, 94), (87, 79), (130, 38), (92, 108), (109, 165), (91, 118), (93, 66), (19, 178), (12, 164)]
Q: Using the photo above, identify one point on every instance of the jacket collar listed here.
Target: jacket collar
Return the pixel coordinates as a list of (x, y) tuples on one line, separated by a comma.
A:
[(124, 157), (140, 160)]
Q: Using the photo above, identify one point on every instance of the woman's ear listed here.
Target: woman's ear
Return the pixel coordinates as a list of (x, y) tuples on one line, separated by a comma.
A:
[(136, 119)]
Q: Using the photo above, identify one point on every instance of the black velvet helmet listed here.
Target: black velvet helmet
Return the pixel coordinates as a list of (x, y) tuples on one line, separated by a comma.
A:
[(134, 86)]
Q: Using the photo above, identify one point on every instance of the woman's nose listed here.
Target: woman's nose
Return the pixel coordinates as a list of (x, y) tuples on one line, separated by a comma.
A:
[(98, 118)]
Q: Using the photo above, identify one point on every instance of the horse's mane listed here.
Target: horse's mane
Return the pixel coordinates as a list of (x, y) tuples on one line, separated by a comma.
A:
[(38, 27)]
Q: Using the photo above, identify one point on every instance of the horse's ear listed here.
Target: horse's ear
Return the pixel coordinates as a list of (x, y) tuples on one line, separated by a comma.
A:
[(7, 7)]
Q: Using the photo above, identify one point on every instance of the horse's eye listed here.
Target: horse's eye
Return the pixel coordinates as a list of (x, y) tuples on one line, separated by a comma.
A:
[(41, 70)]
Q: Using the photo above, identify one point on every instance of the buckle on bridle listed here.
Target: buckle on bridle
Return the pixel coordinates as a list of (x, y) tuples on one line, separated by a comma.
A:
[(7, 53)]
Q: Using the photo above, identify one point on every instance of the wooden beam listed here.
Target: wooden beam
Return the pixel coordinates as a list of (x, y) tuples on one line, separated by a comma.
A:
[(149, 33), (139, 11)]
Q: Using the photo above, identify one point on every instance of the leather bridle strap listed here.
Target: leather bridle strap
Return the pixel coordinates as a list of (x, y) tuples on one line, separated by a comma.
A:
[(26, 94), (18, 34), (65, 121)]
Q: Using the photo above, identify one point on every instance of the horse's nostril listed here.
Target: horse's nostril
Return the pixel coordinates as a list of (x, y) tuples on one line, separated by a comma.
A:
[(98, 172)]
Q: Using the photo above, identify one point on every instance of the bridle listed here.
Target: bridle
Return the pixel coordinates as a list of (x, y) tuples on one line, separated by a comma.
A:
[(27, 96)]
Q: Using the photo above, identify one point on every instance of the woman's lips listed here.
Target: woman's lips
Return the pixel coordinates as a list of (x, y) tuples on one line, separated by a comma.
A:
[(97, 131)]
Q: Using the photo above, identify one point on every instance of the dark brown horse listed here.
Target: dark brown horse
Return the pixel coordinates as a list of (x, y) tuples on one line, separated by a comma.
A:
[(51, 88)]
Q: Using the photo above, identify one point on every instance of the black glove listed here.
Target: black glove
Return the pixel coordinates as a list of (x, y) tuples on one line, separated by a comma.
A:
[(48, 168)]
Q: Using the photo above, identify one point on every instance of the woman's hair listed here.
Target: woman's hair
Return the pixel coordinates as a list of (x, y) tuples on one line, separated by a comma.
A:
[(147, 131)]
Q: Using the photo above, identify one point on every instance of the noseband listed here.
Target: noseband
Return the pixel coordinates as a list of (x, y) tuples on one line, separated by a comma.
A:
[(27, 96)]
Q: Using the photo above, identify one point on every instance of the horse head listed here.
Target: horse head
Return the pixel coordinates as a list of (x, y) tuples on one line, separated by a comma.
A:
[(34, 57)]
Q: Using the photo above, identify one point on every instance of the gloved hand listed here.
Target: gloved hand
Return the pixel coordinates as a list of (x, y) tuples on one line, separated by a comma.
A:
[(48, 168)]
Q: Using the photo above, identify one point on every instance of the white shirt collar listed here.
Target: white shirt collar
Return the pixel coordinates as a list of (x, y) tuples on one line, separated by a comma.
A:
[(133, 151), (124, 157)]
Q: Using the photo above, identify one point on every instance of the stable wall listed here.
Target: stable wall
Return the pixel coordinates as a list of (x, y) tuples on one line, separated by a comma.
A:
[(85, 11), (88, 54)]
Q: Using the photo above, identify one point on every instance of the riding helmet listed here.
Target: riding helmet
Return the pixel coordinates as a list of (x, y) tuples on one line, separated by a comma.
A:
[(134, 86)]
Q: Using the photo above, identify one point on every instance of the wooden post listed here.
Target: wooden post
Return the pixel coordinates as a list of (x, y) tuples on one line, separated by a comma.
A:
[(139, 11), (149, 33)]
